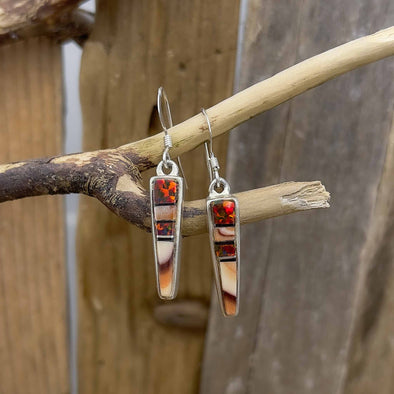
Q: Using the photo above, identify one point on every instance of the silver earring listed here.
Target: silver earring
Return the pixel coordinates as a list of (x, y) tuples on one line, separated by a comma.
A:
[(224, 233), (166, 196)]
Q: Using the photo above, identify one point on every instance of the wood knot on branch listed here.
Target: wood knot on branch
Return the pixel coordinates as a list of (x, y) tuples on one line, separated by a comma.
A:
[(58, 19)]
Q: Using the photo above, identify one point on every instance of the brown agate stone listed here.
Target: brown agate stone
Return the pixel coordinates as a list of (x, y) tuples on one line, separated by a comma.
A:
[(165, 254), (224, 234)]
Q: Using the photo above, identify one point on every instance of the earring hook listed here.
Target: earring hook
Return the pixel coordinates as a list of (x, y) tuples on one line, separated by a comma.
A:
[(163, 108), (165, 118), (209, 129), (211, 159)]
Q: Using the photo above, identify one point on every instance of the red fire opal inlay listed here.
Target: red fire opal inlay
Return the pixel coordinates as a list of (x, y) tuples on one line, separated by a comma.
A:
[(166, 191), (165, 228), (223, 212), (225, 250)]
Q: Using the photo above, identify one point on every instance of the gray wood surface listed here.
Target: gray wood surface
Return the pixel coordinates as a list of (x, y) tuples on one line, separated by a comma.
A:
[(302, 316)]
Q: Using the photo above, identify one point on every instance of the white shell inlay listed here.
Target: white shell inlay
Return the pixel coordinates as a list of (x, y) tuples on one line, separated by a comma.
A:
[(228, 273), (164, 251)]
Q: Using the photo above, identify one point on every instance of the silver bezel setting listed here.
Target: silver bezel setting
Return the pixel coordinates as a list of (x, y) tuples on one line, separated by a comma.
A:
[(215, 196), (177, 235)]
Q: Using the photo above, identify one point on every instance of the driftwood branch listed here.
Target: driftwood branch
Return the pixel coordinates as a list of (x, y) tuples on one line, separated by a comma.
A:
[(266, 95), (116, 182), (58, 19), (113, 175)]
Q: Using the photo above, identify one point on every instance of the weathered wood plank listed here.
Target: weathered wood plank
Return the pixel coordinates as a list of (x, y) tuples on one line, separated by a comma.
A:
[(300, 274), (135, 48), (33, 329), (371, 356)]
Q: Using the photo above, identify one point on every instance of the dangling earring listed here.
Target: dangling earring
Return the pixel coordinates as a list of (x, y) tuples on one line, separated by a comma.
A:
[(166, 196), (224, 233)]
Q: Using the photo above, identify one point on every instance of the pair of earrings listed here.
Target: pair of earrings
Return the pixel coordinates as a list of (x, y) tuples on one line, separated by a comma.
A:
[(166, 194)]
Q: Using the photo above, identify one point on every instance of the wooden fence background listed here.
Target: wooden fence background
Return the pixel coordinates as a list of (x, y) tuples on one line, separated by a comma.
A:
[(33, 329), (317, 288)]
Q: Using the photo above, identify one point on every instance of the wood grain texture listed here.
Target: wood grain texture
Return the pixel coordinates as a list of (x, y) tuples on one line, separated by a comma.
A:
[(299, 286), (33, 329), (371, 354), (135, 48)]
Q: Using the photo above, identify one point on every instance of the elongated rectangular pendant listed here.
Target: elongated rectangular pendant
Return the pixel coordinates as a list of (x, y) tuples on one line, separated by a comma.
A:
[(166, 194), (223, 223)]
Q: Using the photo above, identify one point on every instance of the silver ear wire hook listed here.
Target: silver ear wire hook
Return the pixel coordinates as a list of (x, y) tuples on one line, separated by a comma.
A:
[(212, 161), (164, 118), (163, 108), (166, 122)]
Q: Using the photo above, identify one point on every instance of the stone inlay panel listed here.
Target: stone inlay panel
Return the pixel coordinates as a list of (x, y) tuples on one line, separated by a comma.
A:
[(165, 191), (165, 228), (167, 204), (223, 212), (223, 217)]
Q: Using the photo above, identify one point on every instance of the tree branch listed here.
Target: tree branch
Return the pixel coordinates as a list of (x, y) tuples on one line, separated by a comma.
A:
[(58, 19), (113, 175), (263, 203), (265, 95), (116, 182)]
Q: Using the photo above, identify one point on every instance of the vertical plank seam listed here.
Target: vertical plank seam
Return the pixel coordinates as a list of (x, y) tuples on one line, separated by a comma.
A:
[(2, 266), (243, 15), (6, 321), (43, 56), (34, 301)]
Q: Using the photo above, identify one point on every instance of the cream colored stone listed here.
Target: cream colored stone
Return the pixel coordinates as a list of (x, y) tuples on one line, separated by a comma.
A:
[(165, 250), (228, 273), (165, 212)]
